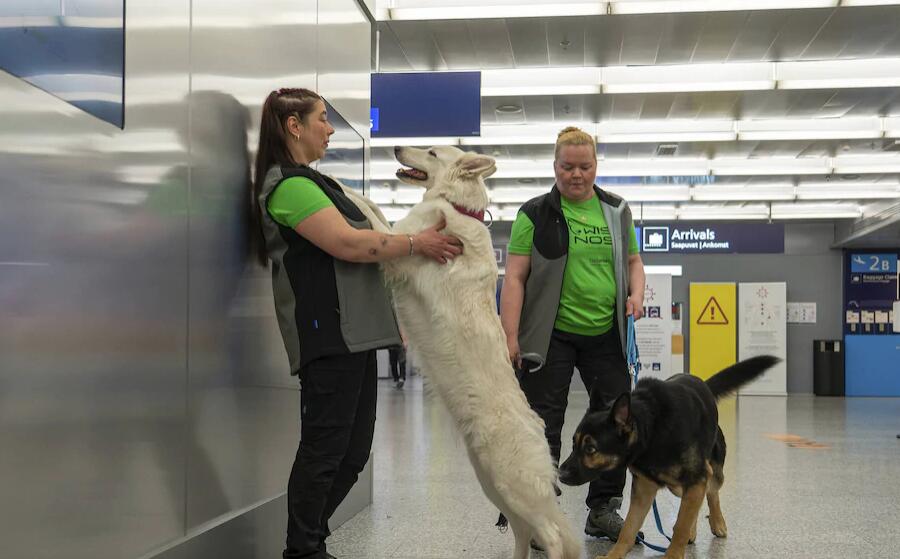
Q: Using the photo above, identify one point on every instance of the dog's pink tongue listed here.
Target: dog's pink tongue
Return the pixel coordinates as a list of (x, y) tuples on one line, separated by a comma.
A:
[(414, 173)]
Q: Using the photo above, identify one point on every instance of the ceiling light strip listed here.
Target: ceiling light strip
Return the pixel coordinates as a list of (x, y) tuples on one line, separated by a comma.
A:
[(419, 11)]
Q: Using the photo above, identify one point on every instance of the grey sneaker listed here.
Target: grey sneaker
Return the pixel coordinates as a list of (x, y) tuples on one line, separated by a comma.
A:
[(604, 521)]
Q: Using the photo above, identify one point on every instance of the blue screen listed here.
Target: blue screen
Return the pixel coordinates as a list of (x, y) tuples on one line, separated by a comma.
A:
[(73, 49), (426, 104)]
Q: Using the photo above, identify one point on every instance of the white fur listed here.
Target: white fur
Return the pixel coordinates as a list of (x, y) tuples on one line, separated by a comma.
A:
[(448, 313)]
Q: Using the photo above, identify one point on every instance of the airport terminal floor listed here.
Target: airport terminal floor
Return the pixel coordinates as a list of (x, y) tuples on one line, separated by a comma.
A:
[(805, 477)]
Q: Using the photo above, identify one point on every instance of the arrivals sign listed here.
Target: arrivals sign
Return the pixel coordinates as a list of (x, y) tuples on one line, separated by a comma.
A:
[(692, 238)]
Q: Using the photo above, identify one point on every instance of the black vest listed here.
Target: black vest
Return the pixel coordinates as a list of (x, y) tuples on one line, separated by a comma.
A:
[(325, 306)]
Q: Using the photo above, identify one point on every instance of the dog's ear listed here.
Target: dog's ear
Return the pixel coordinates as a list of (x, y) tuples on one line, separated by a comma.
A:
[(472, 165), (621, 412)]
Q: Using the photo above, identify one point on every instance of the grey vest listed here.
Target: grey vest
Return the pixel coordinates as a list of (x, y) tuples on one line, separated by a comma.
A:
[(325, 306), (549, 255)]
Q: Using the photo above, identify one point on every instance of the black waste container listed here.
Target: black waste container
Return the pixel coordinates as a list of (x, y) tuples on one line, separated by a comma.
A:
[(828, 367)]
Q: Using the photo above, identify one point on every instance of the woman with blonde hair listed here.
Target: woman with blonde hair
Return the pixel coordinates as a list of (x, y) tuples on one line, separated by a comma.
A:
[(573, 275)]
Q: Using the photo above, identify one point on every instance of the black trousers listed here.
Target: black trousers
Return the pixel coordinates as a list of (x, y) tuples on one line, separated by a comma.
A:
[(337, 422), (397, 358), (602, 366)]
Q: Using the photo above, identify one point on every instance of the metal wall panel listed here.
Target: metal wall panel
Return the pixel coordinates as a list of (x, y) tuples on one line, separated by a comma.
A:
[(243, 429), (93, 324), (144, 388)]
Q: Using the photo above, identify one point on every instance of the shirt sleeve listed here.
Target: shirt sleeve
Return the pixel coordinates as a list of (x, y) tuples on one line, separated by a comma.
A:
[(295, 199), (521, 237), (633, 247)]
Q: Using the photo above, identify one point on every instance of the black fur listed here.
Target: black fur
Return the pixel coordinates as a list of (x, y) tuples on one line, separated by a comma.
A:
[(727, 381), (666, 430)]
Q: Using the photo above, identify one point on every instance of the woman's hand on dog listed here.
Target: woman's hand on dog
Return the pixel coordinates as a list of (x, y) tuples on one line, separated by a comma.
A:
[(433, 244)]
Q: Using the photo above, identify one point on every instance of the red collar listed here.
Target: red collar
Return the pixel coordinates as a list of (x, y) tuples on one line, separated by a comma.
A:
[(479, 215)]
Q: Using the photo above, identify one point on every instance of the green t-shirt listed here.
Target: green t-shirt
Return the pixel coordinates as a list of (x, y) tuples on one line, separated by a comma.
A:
[(587, 303), (295, 199)]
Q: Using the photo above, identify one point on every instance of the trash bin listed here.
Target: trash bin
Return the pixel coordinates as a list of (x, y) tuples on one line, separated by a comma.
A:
[(828, 367)]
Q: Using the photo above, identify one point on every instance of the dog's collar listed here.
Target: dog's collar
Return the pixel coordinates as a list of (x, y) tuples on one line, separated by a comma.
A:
[(479, 215)]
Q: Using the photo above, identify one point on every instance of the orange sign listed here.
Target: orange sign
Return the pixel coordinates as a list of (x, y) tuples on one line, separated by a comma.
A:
[(712, 313), (795, 441)]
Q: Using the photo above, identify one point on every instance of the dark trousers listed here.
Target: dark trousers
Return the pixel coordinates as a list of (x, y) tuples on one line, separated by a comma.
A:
[(602, 366), (337, 422), (397, 357)]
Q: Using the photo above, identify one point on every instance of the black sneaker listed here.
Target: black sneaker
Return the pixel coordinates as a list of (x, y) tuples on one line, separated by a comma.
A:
[(604, 521)]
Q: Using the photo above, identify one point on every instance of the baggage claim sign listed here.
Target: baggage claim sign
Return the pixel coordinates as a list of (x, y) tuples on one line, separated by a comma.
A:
[(759, 238)]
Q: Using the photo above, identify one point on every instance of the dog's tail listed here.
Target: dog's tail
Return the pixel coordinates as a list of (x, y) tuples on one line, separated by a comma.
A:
[(727, 381)]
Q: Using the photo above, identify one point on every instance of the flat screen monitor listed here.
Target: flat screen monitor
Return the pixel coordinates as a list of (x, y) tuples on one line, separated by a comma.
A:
[(426, 104)]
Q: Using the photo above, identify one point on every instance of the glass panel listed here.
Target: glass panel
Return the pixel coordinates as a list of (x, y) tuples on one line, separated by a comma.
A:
[(345, 158), (74, 49)]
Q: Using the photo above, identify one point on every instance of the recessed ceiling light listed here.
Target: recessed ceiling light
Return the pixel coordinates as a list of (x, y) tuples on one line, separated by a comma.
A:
[(509, 109), (849, 177)]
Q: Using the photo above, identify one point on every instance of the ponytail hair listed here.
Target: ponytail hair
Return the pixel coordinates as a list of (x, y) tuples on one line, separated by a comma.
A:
[(273, 146)]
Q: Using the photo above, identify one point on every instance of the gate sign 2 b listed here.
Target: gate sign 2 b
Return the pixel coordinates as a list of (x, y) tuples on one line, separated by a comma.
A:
[(687, 238), (873, 263)]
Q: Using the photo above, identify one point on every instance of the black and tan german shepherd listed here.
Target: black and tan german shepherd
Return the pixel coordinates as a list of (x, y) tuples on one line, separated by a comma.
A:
[(667, 434)]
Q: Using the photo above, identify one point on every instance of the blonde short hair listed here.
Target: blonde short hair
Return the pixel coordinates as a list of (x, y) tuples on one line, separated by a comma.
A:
[(574, 136)]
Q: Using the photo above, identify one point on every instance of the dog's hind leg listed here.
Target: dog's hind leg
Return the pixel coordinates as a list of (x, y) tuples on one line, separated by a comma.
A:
[(716, 518), (522, 535)]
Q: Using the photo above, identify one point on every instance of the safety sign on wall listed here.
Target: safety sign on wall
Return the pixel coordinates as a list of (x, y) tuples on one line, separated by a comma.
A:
[(713, 333)]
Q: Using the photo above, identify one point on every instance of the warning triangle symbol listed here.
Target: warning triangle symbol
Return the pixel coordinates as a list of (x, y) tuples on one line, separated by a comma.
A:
[(712, 313)]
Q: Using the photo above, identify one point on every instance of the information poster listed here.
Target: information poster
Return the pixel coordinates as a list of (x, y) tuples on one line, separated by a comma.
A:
[(713, 328), (763, 331), (654, 330)]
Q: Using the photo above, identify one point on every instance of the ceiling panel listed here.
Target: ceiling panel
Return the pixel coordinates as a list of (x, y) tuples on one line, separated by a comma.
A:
[(661, 39), (454, 52), (528, 40), (718, 36), (565, 41), (754, 42), (773, 35), (490, 39), (637, 44)]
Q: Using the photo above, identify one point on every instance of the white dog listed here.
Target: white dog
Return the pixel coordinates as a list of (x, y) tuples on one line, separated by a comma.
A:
[(449, 314)]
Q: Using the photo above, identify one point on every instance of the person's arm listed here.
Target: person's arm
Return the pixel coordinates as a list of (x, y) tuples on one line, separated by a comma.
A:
[(636, 284), (512, 297), (328, 230)]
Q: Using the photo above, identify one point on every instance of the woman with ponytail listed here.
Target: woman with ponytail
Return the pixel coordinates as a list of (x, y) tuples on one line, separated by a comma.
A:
[(331, 304)]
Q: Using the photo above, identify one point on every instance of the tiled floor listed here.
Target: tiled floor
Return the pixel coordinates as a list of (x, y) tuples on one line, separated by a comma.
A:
[(779, 501)]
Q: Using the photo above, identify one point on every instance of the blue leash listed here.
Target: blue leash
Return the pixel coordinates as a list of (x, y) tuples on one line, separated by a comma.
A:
[(634, 368)]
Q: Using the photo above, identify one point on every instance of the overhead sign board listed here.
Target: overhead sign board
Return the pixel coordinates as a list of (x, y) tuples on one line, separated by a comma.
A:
[(690, 238)]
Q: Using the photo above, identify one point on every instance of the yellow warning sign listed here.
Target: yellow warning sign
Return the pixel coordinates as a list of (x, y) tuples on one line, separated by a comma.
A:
[(712, 313), (713, 335)]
